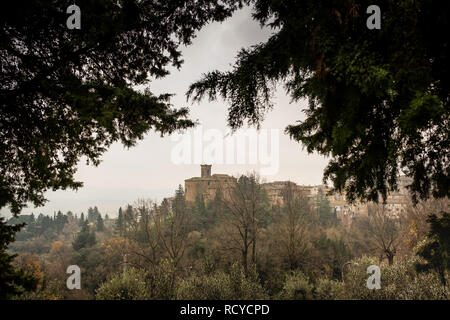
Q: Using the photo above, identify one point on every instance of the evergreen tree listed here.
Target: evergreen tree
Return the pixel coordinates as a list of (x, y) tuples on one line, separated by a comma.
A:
[(119, 227), (76, 90), (179, 203), (326, 216), (215, 209), (93, 214), (96, 212), (378, 99), (60, 221), (12, 280), (200, 213), (436, 251), (85, 238), (128, 218), (81, 223), (72, 93), (100, 224)]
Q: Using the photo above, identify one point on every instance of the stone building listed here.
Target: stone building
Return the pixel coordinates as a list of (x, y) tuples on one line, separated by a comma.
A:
[(275, 191), (397, 201), (208, 185)]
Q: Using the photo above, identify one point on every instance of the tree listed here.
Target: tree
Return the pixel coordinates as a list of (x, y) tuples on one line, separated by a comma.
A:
[(172, 227), (378, 99), (245, 204), (329, 255), (223, 286), (436, 251), (297, 286), (60, 221), (146, 243), (399, 281), (292, 227), (326, 216), (32, 265), (139, 284), (70, 92), (131, 285), (92, 214), (12, 281), (81, 219), (201, 214), (119, 225), (67, 94), (100, 224), (383, 228), (415, 227), (85, 238)]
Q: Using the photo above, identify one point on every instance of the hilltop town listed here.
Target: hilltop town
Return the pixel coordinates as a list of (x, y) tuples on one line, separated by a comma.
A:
[(207, 185)]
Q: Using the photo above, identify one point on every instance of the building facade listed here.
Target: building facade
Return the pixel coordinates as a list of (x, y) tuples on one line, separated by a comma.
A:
[(208, 185)]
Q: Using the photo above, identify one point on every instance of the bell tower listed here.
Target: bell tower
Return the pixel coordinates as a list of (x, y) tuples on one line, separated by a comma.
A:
[(206, 170)]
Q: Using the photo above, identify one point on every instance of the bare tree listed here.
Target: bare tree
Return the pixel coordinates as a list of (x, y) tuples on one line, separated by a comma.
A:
[(244, 203), (172, 226), (414, 224), (158, 231), (291, 228), (383, 227), (144, 233)]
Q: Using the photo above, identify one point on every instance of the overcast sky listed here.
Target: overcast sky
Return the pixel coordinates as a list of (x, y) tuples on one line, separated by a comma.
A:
[(148, 170)]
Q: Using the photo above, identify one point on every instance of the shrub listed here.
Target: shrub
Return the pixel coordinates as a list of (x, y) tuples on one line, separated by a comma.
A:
[(162, 281), (326, 289), (222, 286), (132, 285), (399, 281), (296, 287)]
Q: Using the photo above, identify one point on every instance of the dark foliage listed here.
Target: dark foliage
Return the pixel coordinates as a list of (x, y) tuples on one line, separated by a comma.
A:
[(378, 99), (68, 93), (12, 280), (437, 250)]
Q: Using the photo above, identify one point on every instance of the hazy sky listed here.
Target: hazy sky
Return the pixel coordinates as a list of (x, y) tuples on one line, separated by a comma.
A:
[(148, 171)]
